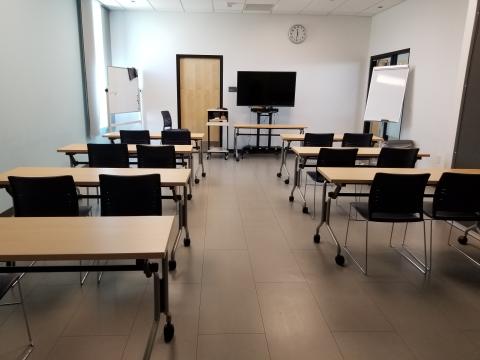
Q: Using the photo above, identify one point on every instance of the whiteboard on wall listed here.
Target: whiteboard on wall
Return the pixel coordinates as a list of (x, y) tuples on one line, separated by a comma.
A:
[(386, 93), (123, 94)]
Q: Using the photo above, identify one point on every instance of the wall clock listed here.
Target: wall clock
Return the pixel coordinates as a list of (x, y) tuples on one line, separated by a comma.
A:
[(297, 34)]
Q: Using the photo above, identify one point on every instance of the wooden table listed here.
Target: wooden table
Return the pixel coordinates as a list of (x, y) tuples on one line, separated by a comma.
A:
[(157, 135), (89, 177), (364, 175), (82, 149), (304, 152), (287, 140), (258, 127), (143, 238)]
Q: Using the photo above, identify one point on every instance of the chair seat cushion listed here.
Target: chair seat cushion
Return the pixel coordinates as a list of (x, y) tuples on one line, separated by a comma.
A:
[(6, 282), (315, 176), (362, 209), (449, 215)]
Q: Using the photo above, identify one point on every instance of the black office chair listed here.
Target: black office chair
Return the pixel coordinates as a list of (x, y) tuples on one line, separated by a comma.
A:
[(393, 198), (397, 158), (8, 282), (329, 157), (162, 157), (135, 136), (130, 195), (357, 140), (456, 198), (108, 155), (321, 140), (176, 137), (167, 120)]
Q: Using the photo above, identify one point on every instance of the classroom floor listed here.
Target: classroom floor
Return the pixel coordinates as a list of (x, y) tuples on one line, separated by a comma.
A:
[(253, 285)]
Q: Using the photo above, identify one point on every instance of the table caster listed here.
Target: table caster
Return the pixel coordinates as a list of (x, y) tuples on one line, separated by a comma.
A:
[(287, 181), (463, 240), (290, 198), (226, 157), (279, 175), (316, 238), (197, 181), (204, 174), (168, 332), (189, 196), (186, 242), (305, 210), (340, 260), (172, 265)]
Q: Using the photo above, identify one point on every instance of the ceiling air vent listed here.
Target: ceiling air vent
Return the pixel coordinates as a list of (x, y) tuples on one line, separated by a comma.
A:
[(258, 7)]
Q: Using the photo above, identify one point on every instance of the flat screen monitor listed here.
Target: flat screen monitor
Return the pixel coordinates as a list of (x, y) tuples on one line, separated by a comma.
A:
[(266, 88)]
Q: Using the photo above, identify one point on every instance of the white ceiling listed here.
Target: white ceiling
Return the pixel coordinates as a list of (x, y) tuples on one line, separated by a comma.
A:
[(305, 7)]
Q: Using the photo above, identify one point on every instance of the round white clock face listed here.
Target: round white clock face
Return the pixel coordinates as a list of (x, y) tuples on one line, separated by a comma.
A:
[(297, 34)]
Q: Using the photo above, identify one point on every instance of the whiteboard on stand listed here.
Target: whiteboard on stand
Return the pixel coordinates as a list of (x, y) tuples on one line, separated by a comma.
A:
[(123, 94), (386, 93)]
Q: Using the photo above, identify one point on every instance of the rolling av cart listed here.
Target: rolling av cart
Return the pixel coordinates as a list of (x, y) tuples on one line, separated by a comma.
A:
[(217, 118)]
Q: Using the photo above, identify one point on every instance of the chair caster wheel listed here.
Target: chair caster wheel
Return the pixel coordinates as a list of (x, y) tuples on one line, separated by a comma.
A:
[(204, 174), (197, 181), (172, 265), (316, 238), (237, 159), (189, 196), (290, 198), (287, 181), (340, 260), (305, 210), (168, 331), (279, 175), (462, 240), (186, 242)]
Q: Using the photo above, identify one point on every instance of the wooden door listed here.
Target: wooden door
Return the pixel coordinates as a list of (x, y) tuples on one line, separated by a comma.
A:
[(199, 84)]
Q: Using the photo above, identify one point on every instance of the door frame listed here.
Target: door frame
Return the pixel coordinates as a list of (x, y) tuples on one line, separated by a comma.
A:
[(190, 56)]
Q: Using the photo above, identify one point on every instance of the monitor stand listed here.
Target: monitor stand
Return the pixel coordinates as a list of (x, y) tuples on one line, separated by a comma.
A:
[(263, 112)]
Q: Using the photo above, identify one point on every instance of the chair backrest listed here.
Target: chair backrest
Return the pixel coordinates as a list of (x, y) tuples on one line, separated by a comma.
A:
[(399, 144), (44, 196), (156, 156), (336, 157), (130, 195), (318, 140), (357, 140), (176, 137), (167, 120), (108, 155), (135, 136), (457, 193), (397, 158), (397, 194)]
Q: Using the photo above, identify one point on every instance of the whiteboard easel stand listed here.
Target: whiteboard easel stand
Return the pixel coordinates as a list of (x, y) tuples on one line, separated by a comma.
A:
[(139, 121)]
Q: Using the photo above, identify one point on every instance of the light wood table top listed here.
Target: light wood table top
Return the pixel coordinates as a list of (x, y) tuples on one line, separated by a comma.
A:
[(218, 123), (85, 176), (85, 237), (132, 149), (270, 126), (363, 152), (336, 137), (365, 175), (154, 135)]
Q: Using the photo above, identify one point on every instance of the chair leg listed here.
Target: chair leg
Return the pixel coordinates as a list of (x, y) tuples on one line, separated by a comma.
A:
[(348, 225), (405, 234), (431, 249), (29, 348), (366, 248), (314, 198), (427, 268), (391, 235)]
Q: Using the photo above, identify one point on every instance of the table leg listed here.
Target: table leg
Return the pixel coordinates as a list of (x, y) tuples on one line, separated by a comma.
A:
[(201, 159), (235, 144), (283, 164), (186, 241), (190, 181), (296, 185), (282, 161)]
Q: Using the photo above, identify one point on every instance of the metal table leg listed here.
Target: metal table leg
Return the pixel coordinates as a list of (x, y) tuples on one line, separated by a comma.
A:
[(296, 185), (283, 164), (201, 159), (190, 181), (182, 224), (235, 144)]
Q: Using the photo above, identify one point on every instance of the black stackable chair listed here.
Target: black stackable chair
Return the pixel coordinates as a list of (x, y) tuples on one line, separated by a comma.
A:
[(176, 137), (397, 158), (135, 136), (157, 157), (393, 199), (329, 157), (321, 140), (108, 155), (456, 198), (357, 140), (167, 120)]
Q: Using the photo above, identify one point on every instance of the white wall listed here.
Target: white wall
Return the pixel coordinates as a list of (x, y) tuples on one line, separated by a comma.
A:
[(436, 32), (41, 97), (331, 65)]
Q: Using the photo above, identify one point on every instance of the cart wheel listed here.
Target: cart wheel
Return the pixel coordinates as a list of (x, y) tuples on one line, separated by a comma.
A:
[(168, 331), (237, 159), (186, 242), (340, 260), (204, 174), (279, 175), (172, 265), (189, 196), (463, 240), (290, 198), (287, 181), (197, 181), (316, 238), (226, 157), (305, 210)]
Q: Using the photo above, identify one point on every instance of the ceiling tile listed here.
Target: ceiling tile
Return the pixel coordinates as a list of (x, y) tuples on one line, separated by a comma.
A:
[(322, 7), (382, 6), (197, 5), (166, 5), (111, 4), (354, 6), (234, 6), (135, 4), (290, 6)]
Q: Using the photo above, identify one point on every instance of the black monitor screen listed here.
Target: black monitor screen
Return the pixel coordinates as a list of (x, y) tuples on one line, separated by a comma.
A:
[(266, 88)]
